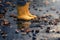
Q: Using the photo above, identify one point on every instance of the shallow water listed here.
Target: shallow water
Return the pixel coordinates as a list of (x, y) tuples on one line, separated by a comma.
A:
[(34, 26)]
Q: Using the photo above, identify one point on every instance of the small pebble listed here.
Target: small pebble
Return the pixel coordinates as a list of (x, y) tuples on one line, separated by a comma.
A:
[(57, 11), (40, 9), (16, 32), (33, 6), (22, 30), (48, 28), (57, 32), (5, 22), (36, 9), (14, 16), (47, 31), (37, 31), (4, 36), (33, 38), (32, 31)]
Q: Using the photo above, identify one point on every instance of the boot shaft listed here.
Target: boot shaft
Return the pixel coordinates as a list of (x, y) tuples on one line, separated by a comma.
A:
[(23, 9)]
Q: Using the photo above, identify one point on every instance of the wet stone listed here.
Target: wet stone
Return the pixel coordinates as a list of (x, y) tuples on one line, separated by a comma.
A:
[(42, 17), (48, 28), (40, 9), (13, 15), (22, 30), (52, 31), (33, 6), (38, 18), (16, 32), (57, 20), (5, 23), (27, 30), (33, 38), (47, 31), (41, 27), (36, 9), (37, 31), (57, 32), (57, 11), (4, 36), (55, 23), (50, 23), (32, 31)]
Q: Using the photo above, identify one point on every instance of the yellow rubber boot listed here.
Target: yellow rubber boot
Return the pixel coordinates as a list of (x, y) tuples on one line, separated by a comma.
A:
[(23, 12)]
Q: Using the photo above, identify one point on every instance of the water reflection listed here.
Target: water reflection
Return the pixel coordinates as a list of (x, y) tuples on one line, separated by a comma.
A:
[(24, 25)]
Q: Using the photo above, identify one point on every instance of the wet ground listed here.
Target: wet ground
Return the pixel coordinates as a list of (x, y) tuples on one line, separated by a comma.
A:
[(45, 31)]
